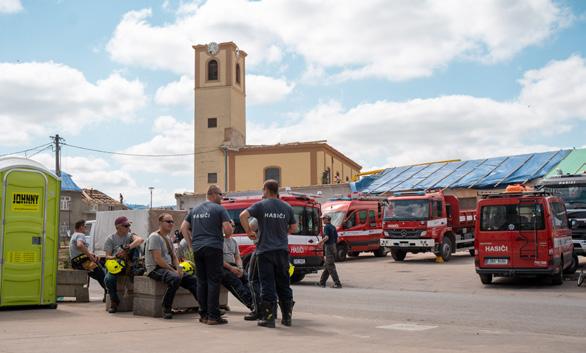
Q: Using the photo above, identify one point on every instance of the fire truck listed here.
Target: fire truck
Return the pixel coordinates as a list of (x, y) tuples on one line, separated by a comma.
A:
[(358, 220), (522, 233), (305, 255), (417, 222), (572, 189)]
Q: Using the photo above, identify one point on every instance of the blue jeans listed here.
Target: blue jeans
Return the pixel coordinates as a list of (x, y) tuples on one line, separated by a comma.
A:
[(209, 264), (273, 270), (173, 282), (111, 279)]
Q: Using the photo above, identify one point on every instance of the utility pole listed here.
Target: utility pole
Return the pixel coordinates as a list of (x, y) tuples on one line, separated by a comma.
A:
[(57, 142)]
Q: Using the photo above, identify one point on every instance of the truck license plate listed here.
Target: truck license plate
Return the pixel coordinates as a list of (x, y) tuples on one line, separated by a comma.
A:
[(298, 261), (496, 261)]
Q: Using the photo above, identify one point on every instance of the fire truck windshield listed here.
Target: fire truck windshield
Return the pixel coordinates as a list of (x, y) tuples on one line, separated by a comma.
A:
[(336, 217), (573, 195), (407, 210)]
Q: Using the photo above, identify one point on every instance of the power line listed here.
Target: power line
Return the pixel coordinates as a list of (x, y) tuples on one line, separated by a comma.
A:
[(137, 154), (27, 150)]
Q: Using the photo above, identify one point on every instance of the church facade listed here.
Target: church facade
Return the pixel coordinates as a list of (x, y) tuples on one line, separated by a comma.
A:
[(222, 155)]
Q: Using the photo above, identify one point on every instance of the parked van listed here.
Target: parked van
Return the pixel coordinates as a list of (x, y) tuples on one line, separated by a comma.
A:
[(522, 233)]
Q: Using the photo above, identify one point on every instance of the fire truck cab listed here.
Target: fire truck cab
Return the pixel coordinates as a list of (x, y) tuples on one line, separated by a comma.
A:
[(305, 255), (358, 221), (522, 233)]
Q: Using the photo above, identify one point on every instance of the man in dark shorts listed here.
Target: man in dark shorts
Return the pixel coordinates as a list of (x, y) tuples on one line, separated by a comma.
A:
[(275, 221), (204, 228)]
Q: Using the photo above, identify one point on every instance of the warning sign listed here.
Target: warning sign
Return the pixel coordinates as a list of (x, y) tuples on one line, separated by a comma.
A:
[(25, 201)]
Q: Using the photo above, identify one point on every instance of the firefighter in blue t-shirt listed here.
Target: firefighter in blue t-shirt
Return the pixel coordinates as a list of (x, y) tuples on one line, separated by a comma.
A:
[(330, 238)]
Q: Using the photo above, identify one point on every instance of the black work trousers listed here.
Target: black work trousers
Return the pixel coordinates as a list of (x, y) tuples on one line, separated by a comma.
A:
[(209, 264), (330, 265), (173, 282), (239, 287), (273, 270)]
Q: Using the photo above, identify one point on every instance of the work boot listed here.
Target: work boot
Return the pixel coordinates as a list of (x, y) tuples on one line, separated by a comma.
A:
[(268, 311), (253, 315), (167, 313), (287, 312), (220, 321), (113, 307)]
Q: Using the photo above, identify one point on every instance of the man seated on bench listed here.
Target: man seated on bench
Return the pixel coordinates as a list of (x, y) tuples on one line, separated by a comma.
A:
[(162, 264), (82, 258), (234, 278)]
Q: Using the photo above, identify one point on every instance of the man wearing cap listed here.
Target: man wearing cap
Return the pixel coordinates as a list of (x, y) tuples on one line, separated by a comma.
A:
[(120, 245), (204, 227), (162, 264), (330, 238)]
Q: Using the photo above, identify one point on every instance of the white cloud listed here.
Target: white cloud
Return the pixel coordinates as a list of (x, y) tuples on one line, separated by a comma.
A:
[(394, 40), (37, 98), (10, 6), (176, 92), (171, 137), (259, 90), (421, 130)]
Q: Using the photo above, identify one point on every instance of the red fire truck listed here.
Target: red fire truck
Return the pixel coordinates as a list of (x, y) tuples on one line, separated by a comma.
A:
[(427, 222), (358, 221), (305, 255), (523, 233)]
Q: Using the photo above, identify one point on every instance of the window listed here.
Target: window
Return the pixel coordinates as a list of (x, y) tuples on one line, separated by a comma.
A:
[(307, 219), (273, 173), (238, 73), (212, 178), (65, 203), (351, 220), (212, 122), (436, 211), (212, 70), (372, 218), (512, 217), (558, 216), (362, 215)]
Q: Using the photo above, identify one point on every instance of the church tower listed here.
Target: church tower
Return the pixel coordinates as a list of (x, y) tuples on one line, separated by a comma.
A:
[(220, 111)]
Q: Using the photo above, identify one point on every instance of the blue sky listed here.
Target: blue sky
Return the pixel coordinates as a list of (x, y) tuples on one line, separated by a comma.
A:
[(387, 83)]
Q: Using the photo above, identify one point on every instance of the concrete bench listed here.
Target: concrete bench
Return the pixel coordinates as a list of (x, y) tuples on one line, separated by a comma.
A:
[(73, 283), (148, 297), (125, 289)]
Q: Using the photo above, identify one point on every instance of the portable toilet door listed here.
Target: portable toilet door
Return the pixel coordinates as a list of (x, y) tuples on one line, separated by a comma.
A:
[(29, 233)]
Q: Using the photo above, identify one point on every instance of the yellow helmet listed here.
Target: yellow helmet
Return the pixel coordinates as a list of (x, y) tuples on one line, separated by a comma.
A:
[(291, 270), (115, 266), (187, 267)]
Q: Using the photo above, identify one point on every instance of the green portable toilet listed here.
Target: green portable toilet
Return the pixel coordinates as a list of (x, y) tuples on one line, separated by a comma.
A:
[(29, 233)]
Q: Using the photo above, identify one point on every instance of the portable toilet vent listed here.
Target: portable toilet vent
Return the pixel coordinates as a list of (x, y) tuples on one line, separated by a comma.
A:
[(29, 233)]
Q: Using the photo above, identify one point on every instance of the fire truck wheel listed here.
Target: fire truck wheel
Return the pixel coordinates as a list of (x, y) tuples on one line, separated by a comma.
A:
[(341, 252), (398, 255), (485, 278), (381, 252), (446, 249), (558, 278), (574, 266), (297, 277)]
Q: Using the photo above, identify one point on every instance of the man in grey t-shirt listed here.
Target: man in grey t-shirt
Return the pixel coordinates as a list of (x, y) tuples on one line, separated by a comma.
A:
[(82, 258), (275, 222), (234, 278), (203, 227), (120, 245), (162, 264)]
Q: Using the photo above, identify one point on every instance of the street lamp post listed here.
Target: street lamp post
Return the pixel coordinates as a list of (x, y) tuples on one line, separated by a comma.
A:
[(151, 189)]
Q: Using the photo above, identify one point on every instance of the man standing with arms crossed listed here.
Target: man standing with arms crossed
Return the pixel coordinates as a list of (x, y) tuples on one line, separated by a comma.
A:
[(275, 222), (203, 228)]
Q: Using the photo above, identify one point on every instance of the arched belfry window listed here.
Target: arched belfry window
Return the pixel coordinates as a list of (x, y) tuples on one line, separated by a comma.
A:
[(238, 73), (212, 70), (273, 173)]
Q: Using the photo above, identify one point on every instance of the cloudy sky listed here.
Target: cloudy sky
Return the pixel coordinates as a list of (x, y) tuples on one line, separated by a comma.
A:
[(386, 82)]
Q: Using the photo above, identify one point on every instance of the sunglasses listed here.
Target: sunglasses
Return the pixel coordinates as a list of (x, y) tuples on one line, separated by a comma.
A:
[(169, 221), (126, 225)]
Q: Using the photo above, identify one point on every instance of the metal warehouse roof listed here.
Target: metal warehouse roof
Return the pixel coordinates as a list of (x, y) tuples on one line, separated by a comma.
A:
[(477, 173), (574, 163)]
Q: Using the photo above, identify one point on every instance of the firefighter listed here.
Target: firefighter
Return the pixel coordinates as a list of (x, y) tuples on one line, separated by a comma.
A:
[(162, 264), (123, 248), (204, 227), (275, 221), (330, 238), (82, 258)]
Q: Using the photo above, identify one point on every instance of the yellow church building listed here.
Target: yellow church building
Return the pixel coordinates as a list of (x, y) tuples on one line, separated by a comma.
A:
[(221, 154)]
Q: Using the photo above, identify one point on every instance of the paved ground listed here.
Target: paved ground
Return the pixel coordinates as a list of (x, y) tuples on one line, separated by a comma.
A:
[(415, 306)]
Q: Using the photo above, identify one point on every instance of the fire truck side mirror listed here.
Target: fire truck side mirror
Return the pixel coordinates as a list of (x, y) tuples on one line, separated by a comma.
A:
[(573, 224)]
